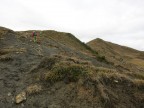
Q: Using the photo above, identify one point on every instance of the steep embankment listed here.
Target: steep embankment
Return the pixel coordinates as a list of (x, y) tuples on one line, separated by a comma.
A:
[(61, 72)]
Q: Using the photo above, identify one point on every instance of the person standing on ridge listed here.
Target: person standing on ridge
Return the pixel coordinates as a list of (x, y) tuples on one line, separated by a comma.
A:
[(34, 35)]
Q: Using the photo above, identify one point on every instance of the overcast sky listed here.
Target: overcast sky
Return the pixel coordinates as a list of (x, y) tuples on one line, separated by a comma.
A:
[(118, 21)]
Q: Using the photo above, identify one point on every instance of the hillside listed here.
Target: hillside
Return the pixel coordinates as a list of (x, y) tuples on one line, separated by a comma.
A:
[(59, 71), (119, 55)]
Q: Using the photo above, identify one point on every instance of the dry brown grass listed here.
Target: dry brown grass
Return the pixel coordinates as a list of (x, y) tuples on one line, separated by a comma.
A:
[(11, 49), (117, 54), (32, 89), (136, 75), (102, 93), (139, 83), (138, 62)]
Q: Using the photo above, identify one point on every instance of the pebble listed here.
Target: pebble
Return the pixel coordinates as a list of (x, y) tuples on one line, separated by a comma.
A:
[(116, 81), (9, 94), (20, 97)]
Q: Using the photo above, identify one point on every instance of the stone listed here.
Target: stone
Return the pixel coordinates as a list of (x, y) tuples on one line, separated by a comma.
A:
[(9, 94), (116, 81), (20, 97)]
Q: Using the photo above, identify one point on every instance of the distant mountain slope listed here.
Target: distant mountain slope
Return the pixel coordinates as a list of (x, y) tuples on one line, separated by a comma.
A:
[(116, 53)]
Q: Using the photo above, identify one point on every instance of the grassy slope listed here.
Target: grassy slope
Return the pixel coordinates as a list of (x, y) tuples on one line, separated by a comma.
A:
[(117, 53), (3, 31)]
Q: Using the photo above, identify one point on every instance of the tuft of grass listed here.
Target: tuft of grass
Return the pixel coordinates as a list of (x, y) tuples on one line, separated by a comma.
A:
[(9, 50), (6, 58), (139, 83), (69, 74), (114, 78), (138, 62), (33, 89), (136, 75), (101, 59)]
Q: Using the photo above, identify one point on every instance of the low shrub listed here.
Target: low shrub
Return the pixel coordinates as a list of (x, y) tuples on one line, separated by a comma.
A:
[(101, 59), (66, 73)]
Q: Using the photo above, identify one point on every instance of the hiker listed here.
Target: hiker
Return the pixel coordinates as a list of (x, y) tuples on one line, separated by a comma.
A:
[(34, 35)]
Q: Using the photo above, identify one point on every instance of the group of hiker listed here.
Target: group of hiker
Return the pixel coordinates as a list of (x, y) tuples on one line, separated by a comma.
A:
[(35, 36)]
